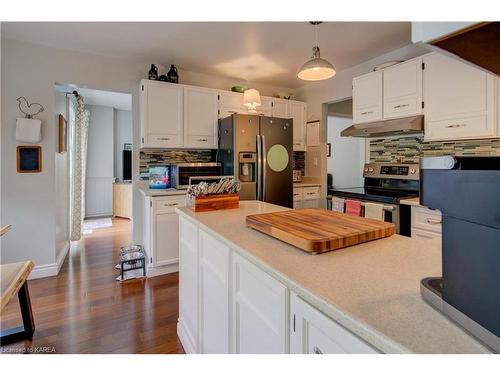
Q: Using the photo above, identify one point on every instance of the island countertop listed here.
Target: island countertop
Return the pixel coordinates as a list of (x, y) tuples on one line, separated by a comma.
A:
[(372, 289)]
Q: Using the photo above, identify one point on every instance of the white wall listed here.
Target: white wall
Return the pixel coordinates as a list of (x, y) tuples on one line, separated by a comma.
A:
[(337, 88), (28, 201), (122, 135), (100, 162), (348, 155)]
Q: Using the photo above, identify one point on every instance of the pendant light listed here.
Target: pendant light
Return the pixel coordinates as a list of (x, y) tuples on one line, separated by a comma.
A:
[(316, 69), (251, 100)]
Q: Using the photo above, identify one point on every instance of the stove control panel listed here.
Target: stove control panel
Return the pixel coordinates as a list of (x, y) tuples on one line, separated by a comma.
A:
[(391, 171)]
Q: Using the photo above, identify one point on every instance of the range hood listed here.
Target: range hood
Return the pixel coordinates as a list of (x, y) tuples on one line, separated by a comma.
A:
[(398, 126)]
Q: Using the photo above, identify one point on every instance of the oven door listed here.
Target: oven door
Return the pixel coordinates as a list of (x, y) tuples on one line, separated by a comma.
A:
[(391, 211)]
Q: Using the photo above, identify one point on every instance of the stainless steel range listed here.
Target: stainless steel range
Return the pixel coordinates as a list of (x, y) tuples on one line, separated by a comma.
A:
[(385, 183)]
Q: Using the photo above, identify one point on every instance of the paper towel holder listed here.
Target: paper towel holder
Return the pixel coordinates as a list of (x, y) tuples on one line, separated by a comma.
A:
[(23, 102)]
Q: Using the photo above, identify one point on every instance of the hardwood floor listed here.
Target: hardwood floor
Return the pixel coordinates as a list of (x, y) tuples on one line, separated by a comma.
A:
[(84, 310)]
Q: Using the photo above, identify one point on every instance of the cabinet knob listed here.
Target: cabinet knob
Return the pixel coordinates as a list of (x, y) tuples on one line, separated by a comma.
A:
[(316, 350), (433, 221), (367, 112), (456, 126)]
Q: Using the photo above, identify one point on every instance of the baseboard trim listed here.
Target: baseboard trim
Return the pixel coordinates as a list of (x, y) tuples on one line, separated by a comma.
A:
[(185, 338), (52, 269), (157, 271)]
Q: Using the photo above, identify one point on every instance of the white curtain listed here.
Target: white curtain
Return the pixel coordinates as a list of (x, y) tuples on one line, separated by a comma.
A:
[(78, 168)]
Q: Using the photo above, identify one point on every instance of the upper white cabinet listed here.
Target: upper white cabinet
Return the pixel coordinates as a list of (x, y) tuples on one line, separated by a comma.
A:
[(367, 98), (402, 89), (230, 103), (281, 108), (214, 295), (298, 112), (459, 100), (311, 332), (161, 115), (259, 308), (266, 106), (200, 117)]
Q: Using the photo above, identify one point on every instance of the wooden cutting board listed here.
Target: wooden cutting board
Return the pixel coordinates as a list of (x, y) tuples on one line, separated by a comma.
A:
[(317, 230)]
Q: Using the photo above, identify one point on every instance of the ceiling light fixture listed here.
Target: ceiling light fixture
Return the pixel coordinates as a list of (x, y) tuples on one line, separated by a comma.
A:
[(316, 69), (251, 100)]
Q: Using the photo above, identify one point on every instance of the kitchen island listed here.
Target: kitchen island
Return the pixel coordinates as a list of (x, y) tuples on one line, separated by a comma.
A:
[(242, 291)]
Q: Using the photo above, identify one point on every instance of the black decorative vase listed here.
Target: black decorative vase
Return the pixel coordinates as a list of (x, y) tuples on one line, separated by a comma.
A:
[(172, 75), (153, 73)]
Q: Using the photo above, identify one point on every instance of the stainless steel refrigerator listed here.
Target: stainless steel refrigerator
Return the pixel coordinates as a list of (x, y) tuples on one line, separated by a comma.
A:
[(259, 152)]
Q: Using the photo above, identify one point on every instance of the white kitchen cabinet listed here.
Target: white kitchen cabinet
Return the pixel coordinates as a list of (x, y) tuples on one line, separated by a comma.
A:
[(281, 108), (298, 112), (161, 114), (230, 103), (266, 106), (425, 223), (200, 117), (161, 234), (313, 134), (312, 332), (459, 100), (367, 97), (402, 89), (260, 310), (188, 325), (214, 295), (306, 197)]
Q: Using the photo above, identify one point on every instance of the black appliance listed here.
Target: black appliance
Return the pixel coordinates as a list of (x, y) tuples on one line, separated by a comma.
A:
[(182, 172), (127, 165), (386, 183), (467, 192)]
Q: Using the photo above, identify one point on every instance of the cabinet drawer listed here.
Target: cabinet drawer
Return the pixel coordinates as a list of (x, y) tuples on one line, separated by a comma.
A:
[(169, 204), (423, 234), (425, 219), (470, 127), (201, 141), (311, 192), (366, 114), (299, 145), (163, 140), (402, 107), (298, 194)]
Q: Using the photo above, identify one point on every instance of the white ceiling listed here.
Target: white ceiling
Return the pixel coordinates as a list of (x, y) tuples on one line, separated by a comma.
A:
[(112, 99), (265, 52)]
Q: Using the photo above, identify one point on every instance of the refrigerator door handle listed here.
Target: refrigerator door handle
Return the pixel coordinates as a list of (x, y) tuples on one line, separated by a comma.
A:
[(263, 166), (259, 168)]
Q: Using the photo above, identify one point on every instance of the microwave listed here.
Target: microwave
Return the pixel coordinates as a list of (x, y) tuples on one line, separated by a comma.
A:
[(181, 173)]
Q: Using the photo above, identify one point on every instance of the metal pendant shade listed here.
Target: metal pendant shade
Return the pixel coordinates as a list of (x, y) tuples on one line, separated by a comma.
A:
[(316, 69)]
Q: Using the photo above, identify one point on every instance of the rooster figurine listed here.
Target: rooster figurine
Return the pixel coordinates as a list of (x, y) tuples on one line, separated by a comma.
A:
[(29, 110)]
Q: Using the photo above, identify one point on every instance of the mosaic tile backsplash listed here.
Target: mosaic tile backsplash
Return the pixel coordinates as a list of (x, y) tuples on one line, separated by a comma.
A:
[(149, 157), (408, 150)]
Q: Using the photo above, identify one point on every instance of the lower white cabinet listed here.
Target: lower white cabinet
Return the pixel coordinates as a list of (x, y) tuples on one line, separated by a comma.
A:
[(227, 304), (161, 233), (187, 326), (214, 295), (425, 223), (312, 332), (259, 310), (306, 197)]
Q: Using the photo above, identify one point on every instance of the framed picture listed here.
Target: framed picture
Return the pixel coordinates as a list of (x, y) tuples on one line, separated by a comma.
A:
[(63, 134), (328, 150), (29, 159), (127, 146)]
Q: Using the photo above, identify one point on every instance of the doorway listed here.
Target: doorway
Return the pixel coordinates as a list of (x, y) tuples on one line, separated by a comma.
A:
[(347, 154)]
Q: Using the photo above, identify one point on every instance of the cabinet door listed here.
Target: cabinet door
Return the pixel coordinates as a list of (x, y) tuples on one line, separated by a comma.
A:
[(311, 332), (214, 295), (201, 108), (422, 234), (161, 109), (281, 108), (230, 103), (260, 317), (265, 108), (459, 100), (403, 89), (298, 112), (367, 98), (188, 286)]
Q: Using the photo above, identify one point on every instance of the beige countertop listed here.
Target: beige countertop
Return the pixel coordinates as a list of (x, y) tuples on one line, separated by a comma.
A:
[(161, 192), (305, 184), (372, 289), (411, 201)]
